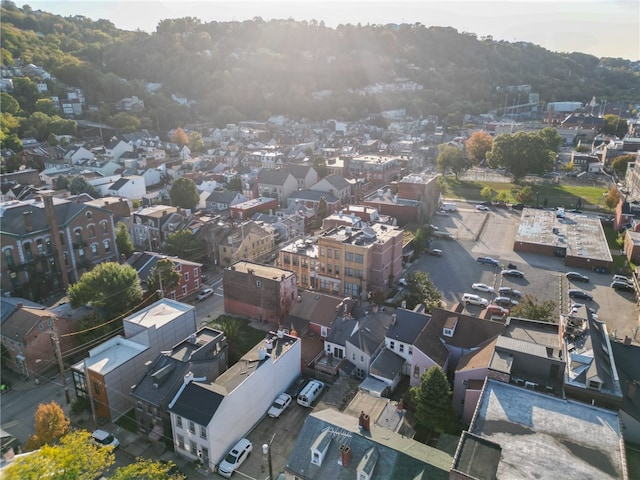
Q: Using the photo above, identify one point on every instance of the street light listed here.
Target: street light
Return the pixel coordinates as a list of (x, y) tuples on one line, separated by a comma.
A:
[(266, 450)]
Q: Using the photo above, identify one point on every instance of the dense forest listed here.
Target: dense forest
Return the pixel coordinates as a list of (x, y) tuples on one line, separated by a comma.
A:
[(252, 69)]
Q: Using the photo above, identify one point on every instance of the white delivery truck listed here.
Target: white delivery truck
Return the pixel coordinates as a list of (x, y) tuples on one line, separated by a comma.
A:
[(449, 207)]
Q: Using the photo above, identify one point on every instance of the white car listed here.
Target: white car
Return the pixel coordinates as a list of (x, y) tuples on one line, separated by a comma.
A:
[(103, 438), (236, 456), (482, 208), (471, 299), (483, 287), (279, 405), (206, 293), (403, 282)]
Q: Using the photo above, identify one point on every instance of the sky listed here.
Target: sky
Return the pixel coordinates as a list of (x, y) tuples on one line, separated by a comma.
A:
[(604, 28)]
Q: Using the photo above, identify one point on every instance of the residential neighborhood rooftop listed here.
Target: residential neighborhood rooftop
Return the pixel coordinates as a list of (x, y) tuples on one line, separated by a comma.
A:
[(159, 314), (259, 270)]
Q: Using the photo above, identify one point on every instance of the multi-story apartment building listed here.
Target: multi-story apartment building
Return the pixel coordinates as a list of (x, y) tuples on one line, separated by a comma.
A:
[(147, 226), (248, 241), (48, 243), (347, 260), (378, 169)]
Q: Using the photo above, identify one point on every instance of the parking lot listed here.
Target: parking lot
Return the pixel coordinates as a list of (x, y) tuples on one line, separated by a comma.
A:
[(492, 234)]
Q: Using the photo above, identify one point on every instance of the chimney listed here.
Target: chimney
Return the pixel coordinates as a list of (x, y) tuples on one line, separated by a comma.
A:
[(404, 304), (364, 421), (346, 455), (26, 217), (393, 319)]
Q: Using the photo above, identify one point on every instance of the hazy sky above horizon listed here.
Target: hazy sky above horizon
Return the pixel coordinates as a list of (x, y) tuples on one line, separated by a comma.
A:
[(604, 28)]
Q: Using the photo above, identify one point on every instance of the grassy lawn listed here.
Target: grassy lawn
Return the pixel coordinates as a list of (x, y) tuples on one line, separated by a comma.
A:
[(240, 335), (556, 195)]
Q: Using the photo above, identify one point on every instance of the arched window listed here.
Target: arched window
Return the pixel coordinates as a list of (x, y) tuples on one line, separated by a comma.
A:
[(8, 257), (78, 235), (92, 231), (107, 245), (103, 226), (27, 250)]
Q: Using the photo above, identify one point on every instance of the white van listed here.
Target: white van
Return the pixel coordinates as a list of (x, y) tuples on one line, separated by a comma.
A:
[(470, 298), (310, 393), (449, 207)]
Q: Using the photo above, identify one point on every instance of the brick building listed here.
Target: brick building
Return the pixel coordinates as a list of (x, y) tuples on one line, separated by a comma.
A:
[(190, 273), (259, 291), (36, 261)]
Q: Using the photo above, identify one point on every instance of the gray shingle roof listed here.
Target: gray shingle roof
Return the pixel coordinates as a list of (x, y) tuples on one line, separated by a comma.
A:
[(197, 402)]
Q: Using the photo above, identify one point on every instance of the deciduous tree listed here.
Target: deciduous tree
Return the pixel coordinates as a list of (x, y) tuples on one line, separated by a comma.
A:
[(49, 425), (488, 194), (75, 457), (184, 193), (235, 184), (184, 244), (79, 185), (521, 153), (524, 195), (619, 165), (180, 137), (164, 274), (123, 240), (451, 157), (478, 145), (420, 289), (530, 307), (147, 469), (196, 143), (110, 286), (613, 197)]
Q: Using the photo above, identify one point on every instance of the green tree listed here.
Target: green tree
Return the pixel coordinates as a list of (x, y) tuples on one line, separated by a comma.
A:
[(180, 137), (184, 193), (146, 469), (9, 104), (615, 125), (433, 402), (45, 105), (613, 197), (420, 289), (26, 92), (163, 273), (488, 194), (196, 143), (524, 195), (76, 457), (502, 196), (110, 286), (184, 244), (521, 153), (478, 145), (125, 122), (79, 185), (320, 166), (50, 424), (551, 138), (529, 307), (421, 239), (62, 183), (123, 240), (235, 184), (321, 214), (620, 163), (451, 157)]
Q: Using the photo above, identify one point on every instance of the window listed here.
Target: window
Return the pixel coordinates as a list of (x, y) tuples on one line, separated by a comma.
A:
[(194, 447), (197, 284), (329, 251), (92, 231), (192, 427), (107, 245), (94, 249), (27, 251), (178, 421), (392, 345), (359, 258), (196, 272), (203, 432), (353, 357), (184, 290), (401, 346), (323, 251), (336, 269), (40, 246), (286, 259), (78, 235), (179, 267), (348, 257), (465, 382), (329, 268), (41, 326), (205, 455), (410, 351), (416, 372), (139, 405), (65, 256), (361, 358), (258, 283), (8, 257), (104, 227), (186, 276), (337, 255), (181, 442), (62, 238), (48, 245), (89, 215), (96, 388)]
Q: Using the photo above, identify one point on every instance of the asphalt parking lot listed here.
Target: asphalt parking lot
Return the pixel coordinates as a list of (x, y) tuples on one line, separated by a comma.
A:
[(492, 234)]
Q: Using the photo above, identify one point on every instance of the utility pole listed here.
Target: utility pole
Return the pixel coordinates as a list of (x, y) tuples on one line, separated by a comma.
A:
[(56, 345)]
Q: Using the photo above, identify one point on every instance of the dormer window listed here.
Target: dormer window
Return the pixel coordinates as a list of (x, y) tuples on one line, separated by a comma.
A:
[(447, 332)]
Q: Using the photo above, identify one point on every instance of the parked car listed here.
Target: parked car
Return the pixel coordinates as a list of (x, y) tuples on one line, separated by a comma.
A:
[(624, 286), (488, 261), (497, 310), (444, 235), (500, 205), (512, 273), (505, 302), (473, 299), (482, 287), (442, 213), (621, 278), (575, 293), (206, 293), (103, 438), (518, 206), (436, 252), (577, 277), (279, 405), (433, 227), (403, 282), (236, 456), (509, 292), (482, 208)]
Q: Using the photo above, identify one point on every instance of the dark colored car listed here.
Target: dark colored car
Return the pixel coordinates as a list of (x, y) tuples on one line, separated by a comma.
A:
[(517, 206), (577, 277), (624, 286), (575, 293), (505, 302), (509, 292), (488, 261), (512, 273)]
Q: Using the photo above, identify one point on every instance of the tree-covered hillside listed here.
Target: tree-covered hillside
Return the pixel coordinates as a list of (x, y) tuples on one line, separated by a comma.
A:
[(252, 69)]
